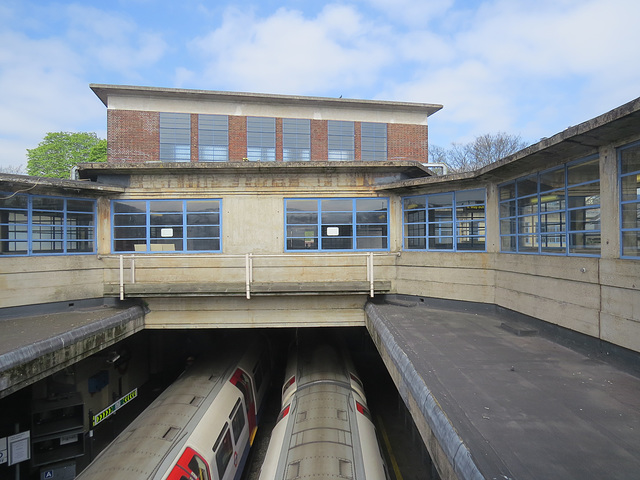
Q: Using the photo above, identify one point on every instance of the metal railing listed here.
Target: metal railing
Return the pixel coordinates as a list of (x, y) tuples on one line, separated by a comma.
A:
[(248, 264)]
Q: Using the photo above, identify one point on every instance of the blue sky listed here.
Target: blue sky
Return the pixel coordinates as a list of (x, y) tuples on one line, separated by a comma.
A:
[(530, 68)]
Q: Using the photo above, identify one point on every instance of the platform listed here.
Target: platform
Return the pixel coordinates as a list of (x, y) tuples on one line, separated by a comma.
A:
[(37, 341), (496, 403)]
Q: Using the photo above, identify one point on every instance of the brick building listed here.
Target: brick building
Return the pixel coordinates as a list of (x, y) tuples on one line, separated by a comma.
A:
[(171, 125)]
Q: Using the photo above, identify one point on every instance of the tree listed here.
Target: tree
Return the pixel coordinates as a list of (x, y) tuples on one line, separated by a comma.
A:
[(59, 151), (99, 152), (12, 169), (485, 149)]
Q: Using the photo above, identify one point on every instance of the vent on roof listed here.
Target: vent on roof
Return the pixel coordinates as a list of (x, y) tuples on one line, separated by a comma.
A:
[(293, 470), (170, 434), (345, 468)]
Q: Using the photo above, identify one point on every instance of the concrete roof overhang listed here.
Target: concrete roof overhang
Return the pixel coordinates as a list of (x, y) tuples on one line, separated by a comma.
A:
[(612, 128), (406, 169), (47, 186), (104, 91)]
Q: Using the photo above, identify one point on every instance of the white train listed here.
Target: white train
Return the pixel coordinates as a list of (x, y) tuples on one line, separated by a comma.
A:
[(324, 429), (200, 427)]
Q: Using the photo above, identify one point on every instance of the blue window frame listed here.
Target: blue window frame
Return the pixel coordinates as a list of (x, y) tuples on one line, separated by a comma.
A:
[(43, 225), (213, 138), (451, 221), (343, 224), (175, 137), (554, 212), (629, 168), (166, 225), (261, 139)]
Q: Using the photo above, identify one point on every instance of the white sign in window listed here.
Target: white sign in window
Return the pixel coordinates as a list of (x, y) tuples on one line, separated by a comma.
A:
[(3, 450), (19, 450), (333, 231), (166, 232)]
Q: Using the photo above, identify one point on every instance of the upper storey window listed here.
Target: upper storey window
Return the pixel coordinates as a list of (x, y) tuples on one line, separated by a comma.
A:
[(553, 212), (175, 137), (261, 139), (296, 140), (374, 141), (340, 140), (213, 138), (629, 158), (36, 225)]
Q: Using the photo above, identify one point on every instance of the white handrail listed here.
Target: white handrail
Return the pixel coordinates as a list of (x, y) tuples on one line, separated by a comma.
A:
[(248, 257)]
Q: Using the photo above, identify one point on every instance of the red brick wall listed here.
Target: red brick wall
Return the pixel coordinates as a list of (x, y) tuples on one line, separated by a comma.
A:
[(357, 141), (407, 142), (319, 147), (194, 137), (237, 138), (133, 136), (279, 147)]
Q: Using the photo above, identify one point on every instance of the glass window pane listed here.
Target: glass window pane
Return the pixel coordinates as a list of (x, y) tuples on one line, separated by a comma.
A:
[(302, 205), (630, 187), (630, 159), (631, 244), (203, 205), (527, 185), (631, 215), (47, 203), (337, 217), (302, 218), (371, 243), (15, 201), (412, 203), (587, 243), (441, 243), (528, 243), (371, 217), (552, 180), (80, 205), (583, 172), (203, 219), (508, 191), (585, 219), (129, 207), (337, 205), (440, 200)]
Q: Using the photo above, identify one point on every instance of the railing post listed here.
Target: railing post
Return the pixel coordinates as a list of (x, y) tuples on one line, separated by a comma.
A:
[(121, 277), (370, 274), (133, 269), (247, 274)]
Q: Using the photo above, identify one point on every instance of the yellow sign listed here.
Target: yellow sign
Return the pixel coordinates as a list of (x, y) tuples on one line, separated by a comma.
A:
[(111, 409)]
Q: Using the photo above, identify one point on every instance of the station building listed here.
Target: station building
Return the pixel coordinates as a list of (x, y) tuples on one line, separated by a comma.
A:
[(233, 210)]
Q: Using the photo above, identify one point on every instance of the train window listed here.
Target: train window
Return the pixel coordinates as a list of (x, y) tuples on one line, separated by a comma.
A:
[(198, 467), (190, 466), (258, 370), (237, 420), (223, 449), (242, 381)]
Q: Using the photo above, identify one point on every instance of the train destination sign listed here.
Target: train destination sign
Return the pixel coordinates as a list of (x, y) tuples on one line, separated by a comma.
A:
[(111, 409)]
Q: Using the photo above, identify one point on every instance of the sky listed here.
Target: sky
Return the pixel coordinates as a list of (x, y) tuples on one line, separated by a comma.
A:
[(523, 67)]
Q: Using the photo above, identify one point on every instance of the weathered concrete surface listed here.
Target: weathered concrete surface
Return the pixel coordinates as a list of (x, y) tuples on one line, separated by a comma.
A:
[(492, 404), (37, 345)]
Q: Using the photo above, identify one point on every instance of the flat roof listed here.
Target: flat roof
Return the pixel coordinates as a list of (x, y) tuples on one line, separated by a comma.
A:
[(506, 397), (104, 91), (614, 127), (48, 185), (408, 168)]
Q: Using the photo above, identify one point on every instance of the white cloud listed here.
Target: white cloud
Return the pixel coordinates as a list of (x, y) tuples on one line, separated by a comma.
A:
[(288, 53)]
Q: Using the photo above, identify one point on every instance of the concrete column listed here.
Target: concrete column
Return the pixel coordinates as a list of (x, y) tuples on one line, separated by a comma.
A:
[(609, 203), (492, 213)]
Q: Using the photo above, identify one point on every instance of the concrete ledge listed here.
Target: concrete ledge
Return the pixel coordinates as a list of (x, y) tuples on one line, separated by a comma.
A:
[(39, 349)]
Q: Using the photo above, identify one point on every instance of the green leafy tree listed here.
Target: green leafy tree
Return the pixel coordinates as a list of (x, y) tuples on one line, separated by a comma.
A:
[(98, 152), (59, 151)]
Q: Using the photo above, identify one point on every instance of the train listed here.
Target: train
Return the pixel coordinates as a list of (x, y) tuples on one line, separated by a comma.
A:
[(324, 429), (201, 427)]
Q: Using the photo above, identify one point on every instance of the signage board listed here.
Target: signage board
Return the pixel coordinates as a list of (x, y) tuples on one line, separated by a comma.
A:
[(111, 409)]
